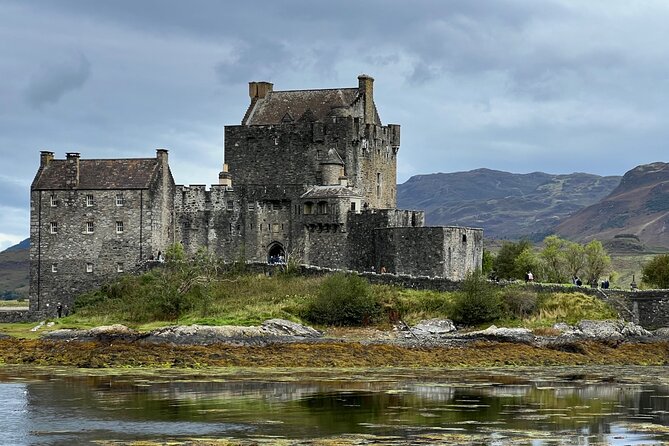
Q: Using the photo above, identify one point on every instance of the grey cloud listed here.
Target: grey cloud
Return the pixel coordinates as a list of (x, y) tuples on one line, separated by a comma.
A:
[(56, 78)]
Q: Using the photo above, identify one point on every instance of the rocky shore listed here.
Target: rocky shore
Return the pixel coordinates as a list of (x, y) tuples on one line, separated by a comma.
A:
[(280, 343)]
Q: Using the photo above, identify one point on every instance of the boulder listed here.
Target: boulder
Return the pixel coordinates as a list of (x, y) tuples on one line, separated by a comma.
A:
[(662, 332), (282, 327), (105, 333), (202, 334), (493, 333), (611, 329), (433, 327)]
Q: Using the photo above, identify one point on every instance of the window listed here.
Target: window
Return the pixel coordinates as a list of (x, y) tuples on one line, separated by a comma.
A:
[(353, 205), (53, 201), (119, 199), (89, 227), (464, 238), (322, 207), (378, 185), (89, 267), (89, 200), (308, 208), (251, 206), (54, 267), (231, 205), (119, 227), (53, 227), (119, 267)]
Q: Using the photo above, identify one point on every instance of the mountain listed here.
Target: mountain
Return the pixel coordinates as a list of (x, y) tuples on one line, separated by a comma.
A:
[(637, 208), (15, 270), (505, 205)]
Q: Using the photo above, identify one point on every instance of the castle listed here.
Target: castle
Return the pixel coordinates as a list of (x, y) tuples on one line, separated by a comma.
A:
[(309, 174)]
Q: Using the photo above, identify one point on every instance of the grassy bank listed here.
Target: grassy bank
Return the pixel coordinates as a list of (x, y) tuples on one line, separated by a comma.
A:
[(197, 294)]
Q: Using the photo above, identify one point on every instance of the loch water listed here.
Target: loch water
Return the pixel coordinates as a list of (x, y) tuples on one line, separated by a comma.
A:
[(534, 406)]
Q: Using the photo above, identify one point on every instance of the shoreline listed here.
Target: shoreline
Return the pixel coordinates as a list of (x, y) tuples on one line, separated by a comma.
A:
[(330, 354)]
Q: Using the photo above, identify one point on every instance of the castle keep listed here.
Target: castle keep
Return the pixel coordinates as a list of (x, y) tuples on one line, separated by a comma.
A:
[(309, 174)]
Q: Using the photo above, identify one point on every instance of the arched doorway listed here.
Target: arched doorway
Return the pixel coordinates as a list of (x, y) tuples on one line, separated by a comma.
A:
[(276, 254)]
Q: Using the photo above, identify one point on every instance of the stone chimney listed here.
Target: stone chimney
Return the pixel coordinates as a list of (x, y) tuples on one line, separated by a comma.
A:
[(72, 179), (161, 156), (45, 158), (258, 90), (366, 89), (224, 177)]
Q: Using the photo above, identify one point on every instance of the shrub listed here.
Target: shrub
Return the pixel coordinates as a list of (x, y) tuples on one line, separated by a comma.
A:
[(477, 302), (343, 300), (656, 272), (518, 302)]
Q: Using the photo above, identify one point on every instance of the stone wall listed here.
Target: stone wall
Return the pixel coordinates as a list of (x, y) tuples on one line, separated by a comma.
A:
[(449, 252)]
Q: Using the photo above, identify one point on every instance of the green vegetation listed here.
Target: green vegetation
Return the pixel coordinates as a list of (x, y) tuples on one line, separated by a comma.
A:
[(558, 261), (656, 272), (343, 300), (477, 302), (202, 292)]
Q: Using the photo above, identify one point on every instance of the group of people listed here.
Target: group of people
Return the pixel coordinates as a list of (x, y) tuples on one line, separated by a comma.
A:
[(277, 260), (529, 277)]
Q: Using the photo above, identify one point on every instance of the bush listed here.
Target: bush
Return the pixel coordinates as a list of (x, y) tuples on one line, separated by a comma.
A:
[(477, 302), (656, 272), (518, 302), (343, 300)]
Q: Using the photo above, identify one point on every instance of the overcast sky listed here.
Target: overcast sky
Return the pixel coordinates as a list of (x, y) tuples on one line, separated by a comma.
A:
[(517, 85)]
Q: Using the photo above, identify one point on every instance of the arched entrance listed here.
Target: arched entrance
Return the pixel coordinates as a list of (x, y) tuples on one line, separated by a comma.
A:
[(276, 254)]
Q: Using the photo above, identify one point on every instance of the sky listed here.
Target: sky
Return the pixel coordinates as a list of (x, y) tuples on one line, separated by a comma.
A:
[(558, 86)]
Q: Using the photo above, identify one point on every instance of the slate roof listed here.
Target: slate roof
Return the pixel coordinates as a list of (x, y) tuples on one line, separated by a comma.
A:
[(134, 173), (287, 106), (330, 192)]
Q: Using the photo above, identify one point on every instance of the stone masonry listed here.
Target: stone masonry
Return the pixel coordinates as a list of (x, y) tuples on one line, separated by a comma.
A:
[(308, 175)]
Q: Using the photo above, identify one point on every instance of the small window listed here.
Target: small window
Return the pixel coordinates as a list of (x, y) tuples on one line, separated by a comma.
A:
[(252, 206), (353, 205), (464, 238), (53, 227), (89, 267), (119, 267), (119, 227), (53, 201), (119, 199), (322, 207), (89, 227), (308, 208), (54, 267), (231, 205), (89, 200)]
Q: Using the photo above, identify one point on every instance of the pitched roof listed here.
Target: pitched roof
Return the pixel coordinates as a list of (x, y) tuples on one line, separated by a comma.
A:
[(134, 173), (307, 105)]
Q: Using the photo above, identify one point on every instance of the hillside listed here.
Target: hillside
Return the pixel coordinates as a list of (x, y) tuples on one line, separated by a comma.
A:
[(506, 205), (15, 269), (639, 206)]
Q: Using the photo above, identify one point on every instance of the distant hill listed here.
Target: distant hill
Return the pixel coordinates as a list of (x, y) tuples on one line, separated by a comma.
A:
[(637, 208), (15, 270), (505, 205)]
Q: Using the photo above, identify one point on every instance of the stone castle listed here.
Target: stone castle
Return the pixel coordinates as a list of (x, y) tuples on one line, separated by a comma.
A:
[(308, 175)]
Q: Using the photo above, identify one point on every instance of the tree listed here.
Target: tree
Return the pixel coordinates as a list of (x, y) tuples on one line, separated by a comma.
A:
[(526, 262), (505, 261), (553, 259), (488, 262), (656, 272), (574, 256), (597, 261)]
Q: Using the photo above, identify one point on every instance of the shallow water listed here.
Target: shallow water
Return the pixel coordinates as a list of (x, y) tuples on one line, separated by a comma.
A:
[(587, 406)]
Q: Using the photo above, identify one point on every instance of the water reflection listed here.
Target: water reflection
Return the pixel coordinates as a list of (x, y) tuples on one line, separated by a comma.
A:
[(548, 406)]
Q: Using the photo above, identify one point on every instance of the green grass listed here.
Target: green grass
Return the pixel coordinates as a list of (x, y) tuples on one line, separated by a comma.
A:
[(14, 303)]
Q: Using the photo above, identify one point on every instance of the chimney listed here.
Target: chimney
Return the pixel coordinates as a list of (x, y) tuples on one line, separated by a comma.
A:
[(258, 90), (72, 179), (366, 89), (161, 155), (224, 178), (45, 157)]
